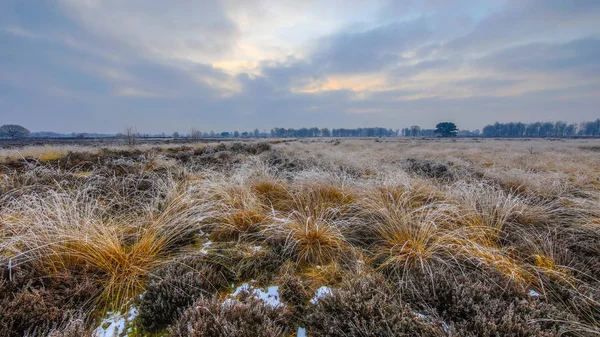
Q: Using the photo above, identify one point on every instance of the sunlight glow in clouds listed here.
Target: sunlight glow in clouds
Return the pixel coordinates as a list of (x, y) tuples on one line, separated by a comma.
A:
[(94, 65)]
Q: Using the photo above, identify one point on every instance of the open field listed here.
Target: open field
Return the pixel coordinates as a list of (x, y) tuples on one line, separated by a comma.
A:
[(313, 237)]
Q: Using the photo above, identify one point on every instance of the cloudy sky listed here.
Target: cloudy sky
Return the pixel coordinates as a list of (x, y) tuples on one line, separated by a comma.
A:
[(97, 65)]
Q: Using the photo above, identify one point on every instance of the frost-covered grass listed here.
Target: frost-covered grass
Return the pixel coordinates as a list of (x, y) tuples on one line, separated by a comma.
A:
[(402, 232)]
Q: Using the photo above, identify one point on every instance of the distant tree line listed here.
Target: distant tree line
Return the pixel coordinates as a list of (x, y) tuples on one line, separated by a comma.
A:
[(325, 132), (443, 129), (542, 129)]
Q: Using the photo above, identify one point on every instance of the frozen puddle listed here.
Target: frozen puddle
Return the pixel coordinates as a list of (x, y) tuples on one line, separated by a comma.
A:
[(116, 325), (270, 296), (321, 293)]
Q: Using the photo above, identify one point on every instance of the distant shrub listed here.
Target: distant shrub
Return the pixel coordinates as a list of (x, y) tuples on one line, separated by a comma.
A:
[(286, 163), (439, 169), (251, 148)]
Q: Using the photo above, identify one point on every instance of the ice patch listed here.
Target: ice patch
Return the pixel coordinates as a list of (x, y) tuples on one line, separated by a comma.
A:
[(534, 293), (321, 293), (301, 332), (445, 327), (270, 297), (116, 324), (206, 245), (418, 315)]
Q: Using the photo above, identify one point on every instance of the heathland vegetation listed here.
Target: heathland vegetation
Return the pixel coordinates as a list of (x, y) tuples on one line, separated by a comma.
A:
[(323, 237)]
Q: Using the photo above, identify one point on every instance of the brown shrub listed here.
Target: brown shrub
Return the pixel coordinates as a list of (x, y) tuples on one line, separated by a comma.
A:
[(485, 304), (36, 304), (175, 286), (367, 307), (248, 317)]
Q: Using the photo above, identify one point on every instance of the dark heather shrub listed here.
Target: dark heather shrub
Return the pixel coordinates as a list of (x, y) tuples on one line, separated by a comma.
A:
[(367, 307), (34, 305), (175, 286), (485, 305), (247, 261), (73, 328), (293, 289), (237, 147), (231, 318), (284, 162), (439, 169), (260, 147)]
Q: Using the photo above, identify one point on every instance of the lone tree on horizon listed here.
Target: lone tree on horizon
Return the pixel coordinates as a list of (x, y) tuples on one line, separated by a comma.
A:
[(446, 129), (13, 131)]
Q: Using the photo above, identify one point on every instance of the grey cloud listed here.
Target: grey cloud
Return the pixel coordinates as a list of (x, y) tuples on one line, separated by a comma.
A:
[(64, 73), (522, 21), (487, 83), (578, 56), (371, 50), (160, 26)]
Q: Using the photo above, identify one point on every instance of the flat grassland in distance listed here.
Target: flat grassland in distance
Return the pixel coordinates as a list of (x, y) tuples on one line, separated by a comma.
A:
[(319, 237)]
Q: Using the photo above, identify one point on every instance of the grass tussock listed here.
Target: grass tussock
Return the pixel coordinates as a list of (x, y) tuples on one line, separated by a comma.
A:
[(309, 237)]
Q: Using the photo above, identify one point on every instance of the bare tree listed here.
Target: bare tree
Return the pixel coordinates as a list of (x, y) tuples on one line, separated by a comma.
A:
[(195, 133), (414, 130), (13, 131), (130, 135)]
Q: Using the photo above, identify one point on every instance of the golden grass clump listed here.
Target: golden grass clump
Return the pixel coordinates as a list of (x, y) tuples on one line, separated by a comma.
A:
[(237, 222), (238, 210), (121, 268), (320, 198), (273, 194), (308, 238), (483, 212), (400, 235), (416, 194), (61, 231)]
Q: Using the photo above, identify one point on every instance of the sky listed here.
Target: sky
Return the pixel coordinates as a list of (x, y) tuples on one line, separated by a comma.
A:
[(165, 66)]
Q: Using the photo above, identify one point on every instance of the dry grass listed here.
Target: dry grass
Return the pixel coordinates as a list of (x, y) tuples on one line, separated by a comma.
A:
[(309, 237)]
